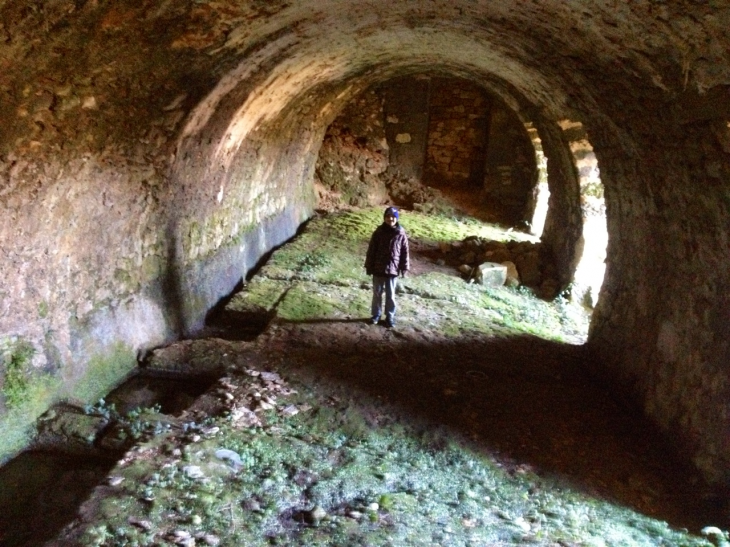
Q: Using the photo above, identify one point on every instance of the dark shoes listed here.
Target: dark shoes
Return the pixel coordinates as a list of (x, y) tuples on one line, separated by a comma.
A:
[(388, 323)]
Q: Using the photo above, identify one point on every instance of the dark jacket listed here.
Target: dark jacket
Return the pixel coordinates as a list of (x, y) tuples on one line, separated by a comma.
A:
[(388, 251)]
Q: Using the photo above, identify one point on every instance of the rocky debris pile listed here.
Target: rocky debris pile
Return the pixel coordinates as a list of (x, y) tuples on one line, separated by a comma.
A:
[(511, 263), (261, 391), (408, 192), (99, 429), (105, 429), (348, 167)]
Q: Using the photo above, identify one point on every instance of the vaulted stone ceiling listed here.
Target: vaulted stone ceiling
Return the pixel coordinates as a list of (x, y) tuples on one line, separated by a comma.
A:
[(151, 152)]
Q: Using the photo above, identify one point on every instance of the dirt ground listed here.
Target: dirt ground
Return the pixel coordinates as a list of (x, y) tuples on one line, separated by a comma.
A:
[(525, 402)]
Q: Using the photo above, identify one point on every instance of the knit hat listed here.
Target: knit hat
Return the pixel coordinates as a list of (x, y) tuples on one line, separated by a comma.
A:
[(392, 211)]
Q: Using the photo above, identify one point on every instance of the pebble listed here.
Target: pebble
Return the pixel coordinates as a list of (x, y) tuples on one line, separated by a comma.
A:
[(229, 456), (183, 537), (522, 523), (193, 472), (143, 524), (290, 410), (317, 514), (210, 539)]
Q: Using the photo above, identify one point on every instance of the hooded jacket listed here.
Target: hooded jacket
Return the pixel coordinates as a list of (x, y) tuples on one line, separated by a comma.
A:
[(388, 251)]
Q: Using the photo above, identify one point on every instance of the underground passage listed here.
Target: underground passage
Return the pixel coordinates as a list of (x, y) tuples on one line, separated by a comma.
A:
[(187, 192)]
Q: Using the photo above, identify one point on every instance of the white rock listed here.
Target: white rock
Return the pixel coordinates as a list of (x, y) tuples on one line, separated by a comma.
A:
[(193, 472)]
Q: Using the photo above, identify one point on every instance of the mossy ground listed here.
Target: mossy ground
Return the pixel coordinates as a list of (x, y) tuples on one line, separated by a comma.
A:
[(320, 276), (471, 423)]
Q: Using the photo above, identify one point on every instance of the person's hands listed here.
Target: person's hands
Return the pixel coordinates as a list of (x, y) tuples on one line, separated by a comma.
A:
[(403, 273)]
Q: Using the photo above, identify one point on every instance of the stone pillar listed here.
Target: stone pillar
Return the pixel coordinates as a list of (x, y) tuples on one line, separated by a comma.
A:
[(406, 129), (562, 235)]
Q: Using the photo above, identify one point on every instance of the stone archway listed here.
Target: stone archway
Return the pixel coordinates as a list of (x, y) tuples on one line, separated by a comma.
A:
[(184, 139)]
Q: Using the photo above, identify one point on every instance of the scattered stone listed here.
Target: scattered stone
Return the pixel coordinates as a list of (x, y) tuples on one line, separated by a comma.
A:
[(231, 457), (252, 505), (145, 525), (183, 538), (271, 377), (490, 274), (717, 536), (290, 410), (193, 472), (265, 404), (244, 417), (315, 515), (210, 539)]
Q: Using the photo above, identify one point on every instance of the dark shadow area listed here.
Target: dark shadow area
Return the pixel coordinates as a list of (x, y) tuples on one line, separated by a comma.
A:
[(230, 325), (171, 285), (41, 493), (145, 390), (524, 401), (42, 489)]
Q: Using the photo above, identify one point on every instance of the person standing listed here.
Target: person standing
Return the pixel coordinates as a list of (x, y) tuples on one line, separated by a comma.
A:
[(387, 258)]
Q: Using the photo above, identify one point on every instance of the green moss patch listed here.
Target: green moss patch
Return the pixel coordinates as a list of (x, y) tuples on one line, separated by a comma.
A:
[(259, 297), (320, 276), (26, 393), (308, 301), (105, 371)]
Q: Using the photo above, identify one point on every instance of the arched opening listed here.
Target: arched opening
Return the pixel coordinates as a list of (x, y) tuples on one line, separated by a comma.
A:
[(440, 144)]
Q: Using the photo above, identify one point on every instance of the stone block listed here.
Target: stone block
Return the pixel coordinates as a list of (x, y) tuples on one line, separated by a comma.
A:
[(491, 274), (513, 277)]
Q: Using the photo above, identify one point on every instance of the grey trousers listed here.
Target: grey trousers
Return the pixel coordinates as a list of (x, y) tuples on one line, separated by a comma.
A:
[(384, 283)]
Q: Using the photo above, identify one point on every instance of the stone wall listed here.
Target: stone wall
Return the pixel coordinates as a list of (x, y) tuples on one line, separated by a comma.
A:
[(354, 153), (459, 116), (510, 173), (406, 105), (660, 330)]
